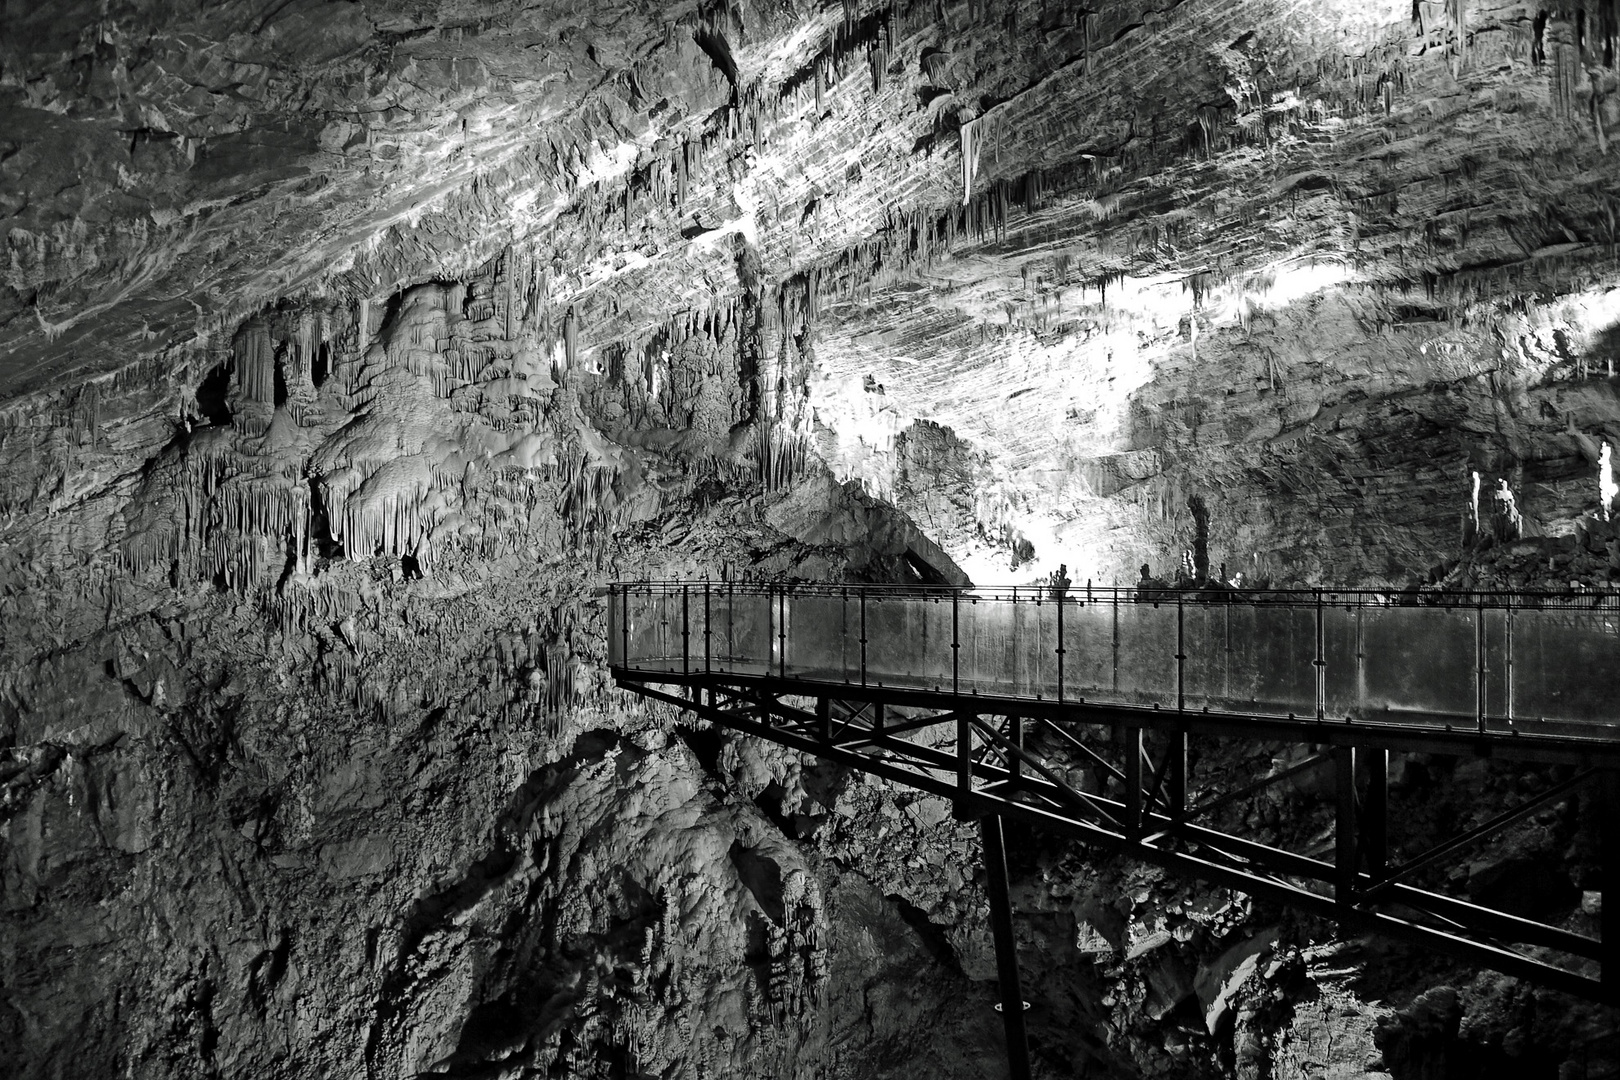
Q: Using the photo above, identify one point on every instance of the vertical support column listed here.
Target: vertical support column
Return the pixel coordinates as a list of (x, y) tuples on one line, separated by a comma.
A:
[(708, 635), (877, 716), (770, 627), (781, 633), (1375, 813), (1344, 828), (824, 719), (1609, 883), (686, 629), (1132, 738), (1176, 775), (1479, 657), (964, 766), (1012, 997)]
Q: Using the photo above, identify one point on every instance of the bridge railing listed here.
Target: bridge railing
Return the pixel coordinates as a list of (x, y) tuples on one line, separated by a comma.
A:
[(1491, 660)]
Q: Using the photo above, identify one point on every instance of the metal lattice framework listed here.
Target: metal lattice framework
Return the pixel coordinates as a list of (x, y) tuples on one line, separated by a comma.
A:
[(1118, 776)]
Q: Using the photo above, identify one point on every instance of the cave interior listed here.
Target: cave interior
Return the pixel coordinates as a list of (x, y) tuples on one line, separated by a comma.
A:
[(351, 349)]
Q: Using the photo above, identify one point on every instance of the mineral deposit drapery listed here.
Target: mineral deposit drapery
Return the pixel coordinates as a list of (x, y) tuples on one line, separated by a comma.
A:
[(1490, 660)]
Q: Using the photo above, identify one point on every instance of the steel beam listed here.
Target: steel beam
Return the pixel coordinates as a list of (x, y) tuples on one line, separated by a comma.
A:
[(1609, 884), (979, 787), (1375, 813), (1408, 732), (1012, 995), (1131, 737), (1344, 828)]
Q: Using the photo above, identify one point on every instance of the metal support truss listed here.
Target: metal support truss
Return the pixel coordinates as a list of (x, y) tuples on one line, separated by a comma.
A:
[(1138, 800)]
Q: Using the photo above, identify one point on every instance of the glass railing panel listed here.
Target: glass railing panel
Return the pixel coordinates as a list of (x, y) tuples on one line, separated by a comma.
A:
[(1250, 657), (820, 636), (648, 633), (988, 629), (1038, 673), (1208, 675), (1498, 679), (742, 639), (1420, 660), (1088, 644), (1146, 668), (1564, 665), (1277, 653), (908, 640), (1341, 652)]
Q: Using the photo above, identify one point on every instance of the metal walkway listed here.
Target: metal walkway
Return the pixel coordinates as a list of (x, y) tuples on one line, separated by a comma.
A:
[(1074, 713)]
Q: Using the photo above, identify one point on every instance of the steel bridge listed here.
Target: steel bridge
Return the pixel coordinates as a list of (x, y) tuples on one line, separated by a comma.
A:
[(1073, 711)]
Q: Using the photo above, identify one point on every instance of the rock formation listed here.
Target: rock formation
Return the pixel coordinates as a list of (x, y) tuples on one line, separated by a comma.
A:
[(348, 348)]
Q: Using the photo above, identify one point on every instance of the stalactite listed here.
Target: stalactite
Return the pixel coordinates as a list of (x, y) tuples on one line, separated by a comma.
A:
[(970, 158), (1457, 17), (255, 362)]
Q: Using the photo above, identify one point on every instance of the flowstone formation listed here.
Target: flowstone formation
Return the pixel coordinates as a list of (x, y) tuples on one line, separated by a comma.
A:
[(349, 349)]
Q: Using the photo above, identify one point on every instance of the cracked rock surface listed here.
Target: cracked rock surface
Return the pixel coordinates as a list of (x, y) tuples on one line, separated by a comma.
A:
[(349, 348)]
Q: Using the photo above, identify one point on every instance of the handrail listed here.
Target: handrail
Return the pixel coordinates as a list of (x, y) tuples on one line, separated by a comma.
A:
[(1487, 599), (1508, 662)]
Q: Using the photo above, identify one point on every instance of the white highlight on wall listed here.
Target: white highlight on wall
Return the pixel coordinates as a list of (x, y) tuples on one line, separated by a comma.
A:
[(1607, 488)]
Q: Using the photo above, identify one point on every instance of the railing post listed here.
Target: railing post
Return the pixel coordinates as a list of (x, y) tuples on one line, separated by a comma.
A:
[(770, 625), (863, 636), (1181, 653), (1344, 829), (781, 632), (708, 618), (956, 642), (1507, 662), (624, 626), (686, 630), (1012, 997), (1321, 659), (1479, 653), (1060, 602), (1116, 642), (843, 630)]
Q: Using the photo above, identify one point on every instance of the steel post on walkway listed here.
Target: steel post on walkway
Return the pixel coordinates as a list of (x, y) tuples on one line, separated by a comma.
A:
[(964, 766), (1176, 775), (1012, 996), (1344, 828), (1132, 738), (1375, 813), (1015, 736), (1609, 883)]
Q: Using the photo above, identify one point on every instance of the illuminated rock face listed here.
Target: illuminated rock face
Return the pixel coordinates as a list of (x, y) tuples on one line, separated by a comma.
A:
[(347, 349)]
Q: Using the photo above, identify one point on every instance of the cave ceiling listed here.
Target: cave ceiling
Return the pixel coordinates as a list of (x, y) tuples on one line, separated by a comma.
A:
[(1007, 217)]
